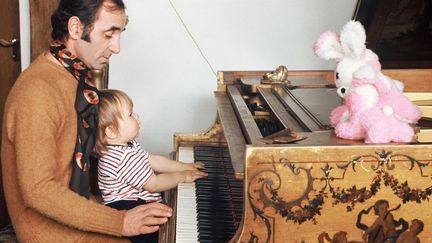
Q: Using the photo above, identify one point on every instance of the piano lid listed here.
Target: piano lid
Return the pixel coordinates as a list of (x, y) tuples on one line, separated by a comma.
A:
[(398, 31)]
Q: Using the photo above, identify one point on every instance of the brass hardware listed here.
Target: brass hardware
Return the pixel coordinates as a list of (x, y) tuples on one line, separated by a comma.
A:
[(283, 137), (100, 77), (97, 77), (14, 43), (6, 43), (280, 75), (311, 86)]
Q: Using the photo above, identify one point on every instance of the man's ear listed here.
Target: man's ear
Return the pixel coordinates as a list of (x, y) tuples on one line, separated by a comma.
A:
[(75, 27), (110, 132)]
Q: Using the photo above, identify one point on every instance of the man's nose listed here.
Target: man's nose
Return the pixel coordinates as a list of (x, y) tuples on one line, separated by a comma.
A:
[(115, 45)]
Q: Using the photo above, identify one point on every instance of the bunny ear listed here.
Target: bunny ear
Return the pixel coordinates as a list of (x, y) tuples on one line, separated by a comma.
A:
[(328, 46), (353, 39)]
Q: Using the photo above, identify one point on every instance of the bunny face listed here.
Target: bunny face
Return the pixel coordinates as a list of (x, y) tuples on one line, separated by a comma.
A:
[(345, 70), (355, 70), (344, 74)]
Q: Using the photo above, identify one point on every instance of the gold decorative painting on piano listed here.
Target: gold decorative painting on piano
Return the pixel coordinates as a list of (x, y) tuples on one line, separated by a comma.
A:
[(298, 194)]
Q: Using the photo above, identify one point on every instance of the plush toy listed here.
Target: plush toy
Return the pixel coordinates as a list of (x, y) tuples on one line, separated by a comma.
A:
[(374, 107)]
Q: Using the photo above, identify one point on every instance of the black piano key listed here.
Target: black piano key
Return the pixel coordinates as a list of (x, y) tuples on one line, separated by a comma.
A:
[(219, 196)]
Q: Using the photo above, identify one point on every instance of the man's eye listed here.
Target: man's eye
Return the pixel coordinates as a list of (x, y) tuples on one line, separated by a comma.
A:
[(108, 36)]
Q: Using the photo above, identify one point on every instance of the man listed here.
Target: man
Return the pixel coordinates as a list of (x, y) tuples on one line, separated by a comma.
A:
[(48, 134)]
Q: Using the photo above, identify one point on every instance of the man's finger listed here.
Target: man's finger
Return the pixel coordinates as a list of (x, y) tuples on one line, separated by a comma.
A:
[(156, 213), (159, 205), (164, 210), (150, 221), (148, 229)]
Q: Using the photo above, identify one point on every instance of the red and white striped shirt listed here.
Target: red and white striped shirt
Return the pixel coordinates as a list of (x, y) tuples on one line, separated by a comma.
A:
[(122, 173)]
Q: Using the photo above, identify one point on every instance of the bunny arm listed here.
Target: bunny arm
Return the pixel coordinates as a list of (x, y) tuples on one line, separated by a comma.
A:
[(359, 101), (339, 114)]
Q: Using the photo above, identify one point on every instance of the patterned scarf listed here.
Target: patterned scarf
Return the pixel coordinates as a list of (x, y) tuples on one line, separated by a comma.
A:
[(86, 106)]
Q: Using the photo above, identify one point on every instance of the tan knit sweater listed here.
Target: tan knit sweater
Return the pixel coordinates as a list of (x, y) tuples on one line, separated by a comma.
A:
[(38, 139)]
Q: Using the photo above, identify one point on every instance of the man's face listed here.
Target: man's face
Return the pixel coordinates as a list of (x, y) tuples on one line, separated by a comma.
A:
[(104, 38)]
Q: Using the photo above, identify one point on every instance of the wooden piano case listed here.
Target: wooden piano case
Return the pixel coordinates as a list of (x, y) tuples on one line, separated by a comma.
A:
[(321, 187)]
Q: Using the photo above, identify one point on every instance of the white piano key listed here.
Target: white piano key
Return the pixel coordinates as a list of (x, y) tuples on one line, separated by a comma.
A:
[(186, 223)]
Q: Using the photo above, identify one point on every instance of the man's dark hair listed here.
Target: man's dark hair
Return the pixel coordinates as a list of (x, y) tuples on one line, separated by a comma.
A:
[(85, 10)]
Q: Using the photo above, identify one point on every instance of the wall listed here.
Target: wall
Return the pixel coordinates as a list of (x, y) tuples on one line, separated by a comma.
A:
[(172, 50), (25, 33)]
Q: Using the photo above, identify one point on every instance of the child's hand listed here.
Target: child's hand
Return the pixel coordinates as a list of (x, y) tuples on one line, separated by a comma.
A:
[(192, 175), (198, 165), (193, 166)]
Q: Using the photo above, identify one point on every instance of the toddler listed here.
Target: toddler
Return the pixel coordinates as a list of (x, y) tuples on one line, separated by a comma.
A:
[(129, 176)]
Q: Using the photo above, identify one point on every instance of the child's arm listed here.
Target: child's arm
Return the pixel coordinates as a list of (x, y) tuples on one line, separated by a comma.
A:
[(162, 164), (166, 181)]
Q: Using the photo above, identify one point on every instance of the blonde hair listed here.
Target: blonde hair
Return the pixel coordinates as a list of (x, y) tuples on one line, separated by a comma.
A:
[(110, 104)]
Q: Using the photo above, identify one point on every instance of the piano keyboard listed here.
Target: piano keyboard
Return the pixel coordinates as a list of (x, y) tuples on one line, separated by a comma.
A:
[(210, 209)]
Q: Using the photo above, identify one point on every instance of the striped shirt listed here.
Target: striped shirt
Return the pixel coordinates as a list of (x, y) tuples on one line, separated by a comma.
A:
[(122, 173)]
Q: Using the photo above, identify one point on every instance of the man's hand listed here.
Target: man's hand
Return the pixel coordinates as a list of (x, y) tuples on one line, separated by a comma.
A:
[(145, 219)]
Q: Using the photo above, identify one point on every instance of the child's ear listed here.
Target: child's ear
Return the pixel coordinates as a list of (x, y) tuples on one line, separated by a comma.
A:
[(110, 132)]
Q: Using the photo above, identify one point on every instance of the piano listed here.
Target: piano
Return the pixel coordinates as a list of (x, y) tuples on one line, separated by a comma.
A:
[(279, 174)]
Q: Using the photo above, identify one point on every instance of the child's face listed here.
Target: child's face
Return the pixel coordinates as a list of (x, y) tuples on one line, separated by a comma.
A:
[(129, 124)]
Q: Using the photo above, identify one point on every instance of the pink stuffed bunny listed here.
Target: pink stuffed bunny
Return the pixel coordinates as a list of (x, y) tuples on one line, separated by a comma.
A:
[(374, 108)]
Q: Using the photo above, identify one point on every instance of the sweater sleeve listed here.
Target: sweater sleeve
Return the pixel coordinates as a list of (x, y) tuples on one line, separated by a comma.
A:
[(33, 125)]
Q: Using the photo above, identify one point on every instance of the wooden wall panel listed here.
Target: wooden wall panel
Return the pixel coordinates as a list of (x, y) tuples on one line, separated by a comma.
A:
[(9, 71), (40, 25)]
